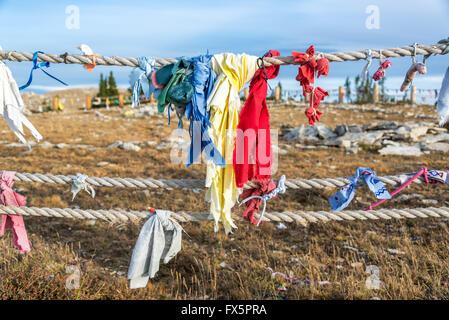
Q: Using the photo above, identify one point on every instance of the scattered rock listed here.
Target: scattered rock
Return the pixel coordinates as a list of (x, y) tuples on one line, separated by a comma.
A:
[(62, 145), (395, 251), (46, 145), (116, 144), (129, 146), (102, 164), (437, 146), (401, 150), (405, 197), (429, 201)]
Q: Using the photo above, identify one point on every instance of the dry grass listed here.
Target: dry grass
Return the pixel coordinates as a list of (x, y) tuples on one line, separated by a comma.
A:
[(102, 251)]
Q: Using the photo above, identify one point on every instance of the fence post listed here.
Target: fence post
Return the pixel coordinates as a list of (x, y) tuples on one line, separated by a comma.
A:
[(88, 102), (55, 103), (277, 94), (152, 98), (120, 100), (307, 96), (376, 94), (341, 94), (413, 95)]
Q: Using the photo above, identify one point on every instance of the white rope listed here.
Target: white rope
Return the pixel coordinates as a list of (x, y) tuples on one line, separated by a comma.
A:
[(300, 217), (438, 48), (169, 184)]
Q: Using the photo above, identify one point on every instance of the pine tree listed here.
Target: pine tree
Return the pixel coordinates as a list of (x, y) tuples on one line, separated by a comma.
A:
[(348, 89), (102, 87), (112, 86)]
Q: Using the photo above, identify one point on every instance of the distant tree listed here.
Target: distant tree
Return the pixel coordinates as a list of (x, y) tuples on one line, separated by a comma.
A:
[(112, 86), (383, 96), (348, 89), (102, 92)]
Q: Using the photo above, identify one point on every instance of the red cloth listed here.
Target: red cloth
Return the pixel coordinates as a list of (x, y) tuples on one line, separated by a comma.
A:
[(9, 197), (312, 111), (306, 76), (252, 206), (255, 124), (380, 73)]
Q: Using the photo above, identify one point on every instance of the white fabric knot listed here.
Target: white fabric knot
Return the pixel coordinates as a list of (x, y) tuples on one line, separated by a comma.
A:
[(79, 183)]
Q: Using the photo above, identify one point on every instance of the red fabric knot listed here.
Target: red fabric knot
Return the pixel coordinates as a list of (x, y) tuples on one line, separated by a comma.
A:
[(380, 73), (252, 205), (252, 155), (309, 67), (15, 222)]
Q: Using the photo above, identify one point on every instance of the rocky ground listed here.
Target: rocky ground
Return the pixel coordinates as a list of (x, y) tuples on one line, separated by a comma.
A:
[(388, 259)]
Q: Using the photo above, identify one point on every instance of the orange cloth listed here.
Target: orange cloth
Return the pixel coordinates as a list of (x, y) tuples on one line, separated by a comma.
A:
[(90, 67)]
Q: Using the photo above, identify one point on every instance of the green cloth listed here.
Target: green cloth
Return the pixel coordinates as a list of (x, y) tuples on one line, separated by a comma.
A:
[(179, 89)]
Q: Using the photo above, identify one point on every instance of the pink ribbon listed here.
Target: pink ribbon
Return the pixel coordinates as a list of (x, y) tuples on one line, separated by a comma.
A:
[(9, 197), (422, 172)]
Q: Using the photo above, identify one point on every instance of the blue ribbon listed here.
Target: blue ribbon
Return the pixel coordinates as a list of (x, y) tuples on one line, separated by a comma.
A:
[(39, 66), (344, 196), (196, 112), (146, 68)]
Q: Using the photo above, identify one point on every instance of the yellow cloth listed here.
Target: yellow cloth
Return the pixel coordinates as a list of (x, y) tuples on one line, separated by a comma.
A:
[(60, 105), (233, 72)]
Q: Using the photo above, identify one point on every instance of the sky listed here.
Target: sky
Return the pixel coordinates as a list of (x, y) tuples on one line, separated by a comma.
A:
[(187, 28)]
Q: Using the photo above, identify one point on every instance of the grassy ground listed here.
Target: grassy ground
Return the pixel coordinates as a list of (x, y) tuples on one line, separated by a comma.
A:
[(317, 253)]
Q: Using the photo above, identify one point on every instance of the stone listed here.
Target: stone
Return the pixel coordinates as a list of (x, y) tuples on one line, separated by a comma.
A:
[(405, 197), (355, 129), (46, 145), (437, 146), (102, 164), (402, 150), (163, 145), (341, 130), (391, 125), (371, 137), (16, 145), (62, 145), (324, 131), (295, 134), (417, 132), (429, 201), (129, 146), (276, 149), (438, 138), (116, 144)]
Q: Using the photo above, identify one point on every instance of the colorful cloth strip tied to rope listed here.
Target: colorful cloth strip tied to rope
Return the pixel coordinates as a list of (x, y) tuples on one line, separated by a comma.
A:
[(39, 66), (363, 176), (309, 68), (272, 194), (79, 183), (432, 177), (139, 79)]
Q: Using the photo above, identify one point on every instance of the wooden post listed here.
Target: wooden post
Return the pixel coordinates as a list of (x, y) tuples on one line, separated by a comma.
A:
[(277, 96), (307, 96), (413, 95), (376, 94), (341, 94), (246, 93), (55, 103), (152, 98), (120, 100), (88, 102)]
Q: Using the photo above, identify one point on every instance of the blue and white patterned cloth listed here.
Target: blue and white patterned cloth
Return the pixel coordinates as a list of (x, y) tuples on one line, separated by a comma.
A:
[(363, 176), (438, 176)]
